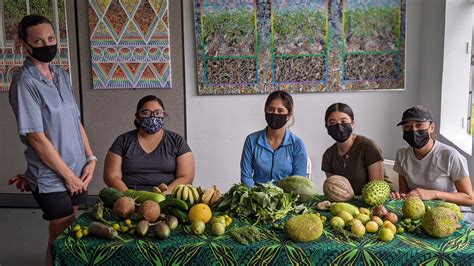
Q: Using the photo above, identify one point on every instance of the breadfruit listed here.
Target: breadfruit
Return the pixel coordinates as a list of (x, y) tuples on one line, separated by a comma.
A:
[(454, 207), (303, 228), (413, 208), (440, 222)]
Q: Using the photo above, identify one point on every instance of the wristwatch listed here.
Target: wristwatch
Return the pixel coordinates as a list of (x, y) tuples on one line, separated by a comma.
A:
[(91, 158)]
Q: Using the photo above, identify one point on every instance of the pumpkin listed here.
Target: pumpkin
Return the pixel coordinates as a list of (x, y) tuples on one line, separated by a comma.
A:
[(337, 188)]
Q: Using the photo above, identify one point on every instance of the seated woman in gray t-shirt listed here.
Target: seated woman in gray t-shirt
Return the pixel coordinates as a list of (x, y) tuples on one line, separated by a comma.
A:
[(428, 168), (150, 155)]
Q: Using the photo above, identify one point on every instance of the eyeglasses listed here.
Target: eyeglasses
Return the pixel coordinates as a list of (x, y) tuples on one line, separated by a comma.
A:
[(148, 113)]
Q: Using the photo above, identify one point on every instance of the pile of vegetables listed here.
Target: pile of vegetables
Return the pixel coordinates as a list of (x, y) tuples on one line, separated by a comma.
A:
[(263, 202)]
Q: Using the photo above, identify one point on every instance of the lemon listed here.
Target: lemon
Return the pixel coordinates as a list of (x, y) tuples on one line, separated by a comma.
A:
[(218, 229), (116, 227), (200, 212), (79, 234), (85, 232), (128, 222), (76, 228)]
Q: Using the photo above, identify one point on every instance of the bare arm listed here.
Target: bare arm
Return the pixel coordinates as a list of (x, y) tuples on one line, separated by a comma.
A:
[(113, 171), (51, 158), (88, 171), (184, 171), (463, 196), (375, 171)]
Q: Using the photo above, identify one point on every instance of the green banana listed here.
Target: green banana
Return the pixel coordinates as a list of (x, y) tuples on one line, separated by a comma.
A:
[(190, 196), (185, 194), (195, 194), (179, 192)]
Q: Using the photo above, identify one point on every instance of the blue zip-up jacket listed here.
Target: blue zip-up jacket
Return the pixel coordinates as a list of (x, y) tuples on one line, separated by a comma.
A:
[(261, 164)]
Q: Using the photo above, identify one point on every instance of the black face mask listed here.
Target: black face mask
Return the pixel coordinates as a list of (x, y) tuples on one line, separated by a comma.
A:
[(340, 132), (44, 54), (276, 121), (416, 138)]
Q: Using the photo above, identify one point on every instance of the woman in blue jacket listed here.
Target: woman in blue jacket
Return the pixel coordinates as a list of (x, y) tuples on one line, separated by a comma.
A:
[(274, 152)]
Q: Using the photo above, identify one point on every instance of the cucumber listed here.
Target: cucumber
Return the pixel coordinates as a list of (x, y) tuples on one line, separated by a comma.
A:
[(172, 202), (142, 196), (109, 195)]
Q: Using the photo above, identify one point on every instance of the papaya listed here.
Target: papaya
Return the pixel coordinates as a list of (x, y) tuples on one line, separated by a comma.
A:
[(342, 206)]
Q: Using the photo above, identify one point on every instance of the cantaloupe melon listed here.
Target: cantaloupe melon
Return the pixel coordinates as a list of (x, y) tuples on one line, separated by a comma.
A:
[(337, 188)]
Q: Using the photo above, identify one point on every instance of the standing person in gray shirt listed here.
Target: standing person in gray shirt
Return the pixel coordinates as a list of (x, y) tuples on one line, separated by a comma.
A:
[(149, 155), (60, 162), (428, 168)]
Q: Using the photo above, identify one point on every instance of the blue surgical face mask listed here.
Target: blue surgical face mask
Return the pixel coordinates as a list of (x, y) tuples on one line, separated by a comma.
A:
[(151, 125)]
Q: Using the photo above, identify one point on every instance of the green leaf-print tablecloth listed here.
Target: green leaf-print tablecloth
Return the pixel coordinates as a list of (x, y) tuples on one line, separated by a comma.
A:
[(185, 248)]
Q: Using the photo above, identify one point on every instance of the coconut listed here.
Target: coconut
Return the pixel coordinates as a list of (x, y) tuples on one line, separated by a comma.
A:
[(149, 210), (124, 207)]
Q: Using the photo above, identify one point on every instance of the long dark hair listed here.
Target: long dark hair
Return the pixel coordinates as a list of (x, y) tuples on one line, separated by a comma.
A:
[(141, 103), (30, 21), (338, 107), (284, 96)]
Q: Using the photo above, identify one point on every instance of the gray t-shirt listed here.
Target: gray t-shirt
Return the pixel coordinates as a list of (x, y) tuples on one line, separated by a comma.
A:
[(42, 105), (437, 170), (141, 170)]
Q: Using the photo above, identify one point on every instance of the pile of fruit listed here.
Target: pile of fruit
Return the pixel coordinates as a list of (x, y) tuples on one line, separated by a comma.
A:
[(143, 213)]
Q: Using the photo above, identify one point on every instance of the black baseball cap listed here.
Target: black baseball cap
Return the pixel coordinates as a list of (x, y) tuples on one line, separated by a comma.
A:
[(416, 113)]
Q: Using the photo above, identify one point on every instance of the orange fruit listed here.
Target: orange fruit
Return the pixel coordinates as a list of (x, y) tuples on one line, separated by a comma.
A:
[(200, 212)]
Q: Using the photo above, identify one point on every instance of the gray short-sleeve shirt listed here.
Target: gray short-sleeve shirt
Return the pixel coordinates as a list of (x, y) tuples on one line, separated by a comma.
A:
[(141, 170), (42, 105), (437, 170)]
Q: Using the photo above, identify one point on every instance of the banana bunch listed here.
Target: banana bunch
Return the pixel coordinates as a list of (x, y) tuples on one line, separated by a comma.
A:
[(187, 193), (211, 196)]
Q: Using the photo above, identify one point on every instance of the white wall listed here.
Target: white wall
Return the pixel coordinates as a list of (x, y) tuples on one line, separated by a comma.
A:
[(431, 63), (217, 125)]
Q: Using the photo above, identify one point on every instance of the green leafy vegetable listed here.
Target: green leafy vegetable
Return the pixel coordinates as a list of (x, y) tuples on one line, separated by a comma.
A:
[(264, 202)]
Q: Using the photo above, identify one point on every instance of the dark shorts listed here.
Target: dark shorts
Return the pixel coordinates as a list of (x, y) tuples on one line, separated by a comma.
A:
[(58, 205)]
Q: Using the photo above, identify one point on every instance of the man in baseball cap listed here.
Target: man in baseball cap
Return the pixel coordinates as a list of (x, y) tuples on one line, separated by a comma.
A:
[(429, 169), (416, 113)]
